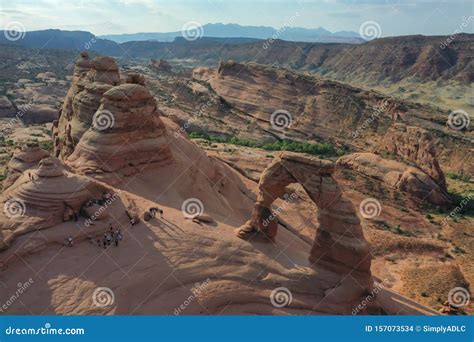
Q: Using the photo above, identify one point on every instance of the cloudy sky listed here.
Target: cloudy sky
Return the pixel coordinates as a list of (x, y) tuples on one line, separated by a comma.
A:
[(395, 17)]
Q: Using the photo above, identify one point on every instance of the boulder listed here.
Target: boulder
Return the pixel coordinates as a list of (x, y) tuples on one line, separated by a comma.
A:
[(160, 65)]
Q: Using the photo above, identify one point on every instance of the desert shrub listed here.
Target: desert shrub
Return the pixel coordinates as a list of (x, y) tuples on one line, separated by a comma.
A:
[(348, 174), (47, 145), (457, 176)]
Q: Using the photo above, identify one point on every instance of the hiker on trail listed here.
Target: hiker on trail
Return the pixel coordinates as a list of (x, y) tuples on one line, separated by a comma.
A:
[(97, 238), (29, 176), (69, 241)]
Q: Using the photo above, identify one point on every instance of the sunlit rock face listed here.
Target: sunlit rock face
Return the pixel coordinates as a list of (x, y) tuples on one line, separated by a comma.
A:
[(106, 127)]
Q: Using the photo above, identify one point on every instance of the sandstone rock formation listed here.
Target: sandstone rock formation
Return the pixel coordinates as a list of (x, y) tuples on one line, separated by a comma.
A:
[(135, 78), (317, 109), (26, 158), (126, 134), (160, 65), (92, 78), (45, 200), (396, 174), (339, 245), (414, 144), (107, 127)]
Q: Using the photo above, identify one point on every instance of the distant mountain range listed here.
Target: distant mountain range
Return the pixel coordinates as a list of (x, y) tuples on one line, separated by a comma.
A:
[(296, 34), (426, 58), (59, 39)]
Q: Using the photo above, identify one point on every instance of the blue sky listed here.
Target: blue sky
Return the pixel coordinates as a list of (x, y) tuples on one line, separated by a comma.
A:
[(395, 17)]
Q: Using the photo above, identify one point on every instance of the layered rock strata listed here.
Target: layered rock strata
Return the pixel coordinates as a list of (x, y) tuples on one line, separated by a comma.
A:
[(26, 158), (416, 145), (43, 200), (107, 127), (396, 174)]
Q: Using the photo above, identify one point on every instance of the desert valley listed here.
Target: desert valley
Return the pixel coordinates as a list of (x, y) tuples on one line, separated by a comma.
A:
[(236, 177)]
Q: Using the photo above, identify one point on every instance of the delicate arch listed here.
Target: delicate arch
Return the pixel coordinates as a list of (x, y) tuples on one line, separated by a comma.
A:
[(339, 244)]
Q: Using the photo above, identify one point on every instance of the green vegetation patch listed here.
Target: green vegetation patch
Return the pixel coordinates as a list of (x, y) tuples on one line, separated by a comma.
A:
[(318, 149), (458, 176)]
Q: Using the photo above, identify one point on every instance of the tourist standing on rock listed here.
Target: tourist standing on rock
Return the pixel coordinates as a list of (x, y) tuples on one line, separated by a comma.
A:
[(69, 241), (116, 239), (108, 238), (104, 240)]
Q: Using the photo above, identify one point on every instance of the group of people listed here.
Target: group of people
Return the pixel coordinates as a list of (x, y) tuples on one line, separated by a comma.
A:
[(109, 236), (106, 240), (105, 199)]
